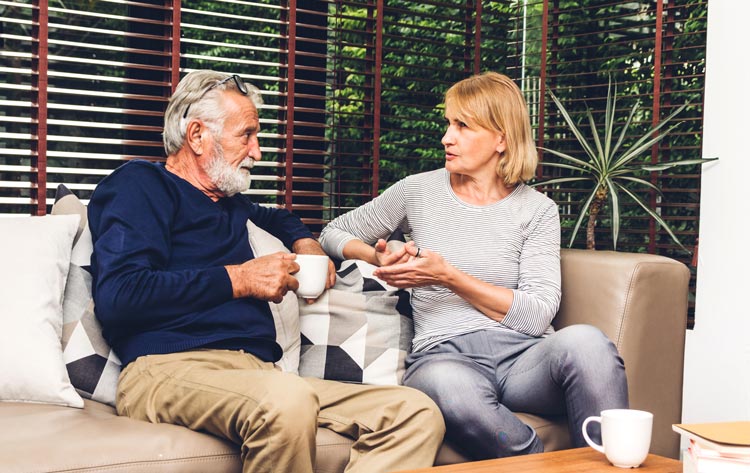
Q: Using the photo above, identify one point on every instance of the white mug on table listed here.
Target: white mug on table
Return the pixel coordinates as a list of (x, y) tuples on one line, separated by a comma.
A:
[(626, 436)]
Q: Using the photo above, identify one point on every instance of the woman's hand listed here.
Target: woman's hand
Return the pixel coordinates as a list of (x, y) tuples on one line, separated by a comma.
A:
[(417, 267), (427, 268), (389, 254)]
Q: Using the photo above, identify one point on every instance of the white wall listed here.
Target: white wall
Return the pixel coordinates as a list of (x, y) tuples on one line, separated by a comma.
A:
[(717, 353)]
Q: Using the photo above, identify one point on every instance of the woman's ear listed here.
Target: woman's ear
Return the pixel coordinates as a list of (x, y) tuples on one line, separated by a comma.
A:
[(500, 144), (194, 136)]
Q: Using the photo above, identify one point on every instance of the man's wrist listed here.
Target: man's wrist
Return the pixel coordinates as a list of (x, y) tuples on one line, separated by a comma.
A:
[(308, 246)]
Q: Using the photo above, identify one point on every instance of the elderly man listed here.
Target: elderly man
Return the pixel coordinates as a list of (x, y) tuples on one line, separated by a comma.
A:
[(184, 302)]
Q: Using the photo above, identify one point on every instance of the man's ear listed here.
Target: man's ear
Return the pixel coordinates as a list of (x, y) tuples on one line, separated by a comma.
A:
[(194, 136)]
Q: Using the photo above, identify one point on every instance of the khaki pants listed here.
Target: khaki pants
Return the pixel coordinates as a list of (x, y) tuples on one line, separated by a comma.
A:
[(274, 416)]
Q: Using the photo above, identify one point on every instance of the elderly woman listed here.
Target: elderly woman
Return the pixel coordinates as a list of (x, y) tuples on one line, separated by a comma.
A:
[(484, 265)]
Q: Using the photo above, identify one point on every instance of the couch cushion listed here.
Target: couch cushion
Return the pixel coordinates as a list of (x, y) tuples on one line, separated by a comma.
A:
[(333, 449), (35, 258), (553, 432), (46, 438)]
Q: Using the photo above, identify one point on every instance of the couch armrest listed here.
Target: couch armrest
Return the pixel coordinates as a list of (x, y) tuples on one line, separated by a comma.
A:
[(640, 302)]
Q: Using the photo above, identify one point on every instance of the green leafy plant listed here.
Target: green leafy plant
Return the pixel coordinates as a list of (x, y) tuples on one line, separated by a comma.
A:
[(612, 166)]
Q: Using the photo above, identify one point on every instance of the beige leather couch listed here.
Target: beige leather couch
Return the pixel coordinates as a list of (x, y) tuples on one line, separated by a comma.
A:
[(639, 301)]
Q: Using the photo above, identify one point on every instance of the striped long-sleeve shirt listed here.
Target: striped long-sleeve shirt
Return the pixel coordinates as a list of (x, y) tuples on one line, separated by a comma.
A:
[(513, 243)]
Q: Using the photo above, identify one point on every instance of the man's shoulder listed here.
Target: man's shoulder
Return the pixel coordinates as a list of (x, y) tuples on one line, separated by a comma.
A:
[(132, 175), (132, 184), (247, 204), (137, 167)]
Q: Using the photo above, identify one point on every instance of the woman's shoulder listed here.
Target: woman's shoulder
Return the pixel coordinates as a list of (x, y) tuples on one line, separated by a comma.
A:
[(530, 194), (420, 179), (534, 201)]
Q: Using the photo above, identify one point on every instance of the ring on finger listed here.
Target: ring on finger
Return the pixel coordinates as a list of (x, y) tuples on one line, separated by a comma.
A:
[(419, 250)]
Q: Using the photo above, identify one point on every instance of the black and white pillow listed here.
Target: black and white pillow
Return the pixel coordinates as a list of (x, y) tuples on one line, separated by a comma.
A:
[(359, 331), (92, 366)]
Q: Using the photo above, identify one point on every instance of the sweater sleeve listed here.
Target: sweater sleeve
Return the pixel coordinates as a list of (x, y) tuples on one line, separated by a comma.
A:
[(280, 223), (537, 297), (130, 216), (376, 219)]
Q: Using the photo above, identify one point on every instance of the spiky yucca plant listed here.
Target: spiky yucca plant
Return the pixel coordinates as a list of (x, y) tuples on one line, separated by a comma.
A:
[(611, 166)]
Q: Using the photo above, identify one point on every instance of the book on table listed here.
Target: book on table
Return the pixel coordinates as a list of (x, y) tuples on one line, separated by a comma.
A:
[(720, 447)]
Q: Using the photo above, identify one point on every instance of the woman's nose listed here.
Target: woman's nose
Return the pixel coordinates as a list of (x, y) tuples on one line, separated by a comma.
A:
[(447, 137)]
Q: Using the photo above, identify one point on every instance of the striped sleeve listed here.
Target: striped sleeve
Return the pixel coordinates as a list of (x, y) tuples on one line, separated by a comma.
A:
[(376, 219), (537, 298)]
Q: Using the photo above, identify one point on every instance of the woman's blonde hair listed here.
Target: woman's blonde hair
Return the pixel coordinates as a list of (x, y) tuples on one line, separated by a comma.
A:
[(494, 102)]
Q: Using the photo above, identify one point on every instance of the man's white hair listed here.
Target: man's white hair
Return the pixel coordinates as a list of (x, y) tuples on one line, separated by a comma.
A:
[(193, 94)]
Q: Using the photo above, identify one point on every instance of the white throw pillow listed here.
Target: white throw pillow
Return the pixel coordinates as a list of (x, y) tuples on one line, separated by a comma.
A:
[(35, 254), (285, 313)]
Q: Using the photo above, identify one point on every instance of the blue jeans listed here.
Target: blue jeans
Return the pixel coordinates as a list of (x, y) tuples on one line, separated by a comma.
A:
[(479, 378)]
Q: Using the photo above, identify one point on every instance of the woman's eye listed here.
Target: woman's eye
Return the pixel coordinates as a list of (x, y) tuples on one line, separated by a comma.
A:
[(462, 124)]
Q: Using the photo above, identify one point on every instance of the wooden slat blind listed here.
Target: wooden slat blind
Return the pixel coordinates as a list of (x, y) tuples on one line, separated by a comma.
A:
[(656, 53), (351, 89)]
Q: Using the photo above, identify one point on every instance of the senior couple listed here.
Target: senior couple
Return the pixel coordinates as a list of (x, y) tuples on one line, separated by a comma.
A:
[(184, 301)]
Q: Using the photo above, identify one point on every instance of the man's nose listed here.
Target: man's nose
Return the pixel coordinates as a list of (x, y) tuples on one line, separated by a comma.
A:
[(254, 149)]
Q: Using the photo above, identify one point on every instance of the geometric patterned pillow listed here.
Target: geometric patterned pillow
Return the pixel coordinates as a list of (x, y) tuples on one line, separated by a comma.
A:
[(359, 331), (92, 366)]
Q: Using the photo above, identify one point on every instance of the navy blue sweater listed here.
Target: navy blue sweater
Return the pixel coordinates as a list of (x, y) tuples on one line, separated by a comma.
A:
[(160, 247)]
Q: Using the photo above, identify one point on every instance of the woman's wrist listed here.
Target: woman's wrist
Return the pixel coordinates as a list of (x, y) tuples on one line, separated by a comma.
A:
[(357, 249), (374, 258), (450, 276)]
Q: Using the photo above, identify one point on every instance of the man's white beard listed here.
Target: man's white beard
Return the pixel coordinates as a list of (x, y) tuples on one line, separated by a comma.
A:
[(227, 179)]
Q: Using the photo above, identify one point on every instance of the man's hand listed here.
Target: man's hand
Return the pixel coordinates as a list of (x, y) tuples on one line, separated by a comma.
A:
[(268, 278)]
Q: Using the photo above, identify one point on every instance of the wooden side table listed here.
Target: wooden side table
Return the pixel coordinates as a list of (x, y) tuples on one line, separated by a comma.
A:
[(562, 461)]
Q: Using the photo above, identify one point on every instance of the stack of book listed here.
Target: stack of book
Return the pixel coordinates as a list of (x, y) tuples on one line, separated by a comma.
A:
[(722, 447)]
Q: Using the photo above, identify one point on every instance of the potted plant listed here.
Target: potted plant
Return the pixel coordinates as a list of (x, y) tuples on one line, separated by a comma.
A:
[(612, 167)]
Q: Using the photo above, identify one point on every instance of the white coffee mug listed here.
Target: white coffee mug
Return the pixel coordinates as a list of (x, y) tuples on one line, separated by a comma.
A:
[(626, 436), (312, 275)]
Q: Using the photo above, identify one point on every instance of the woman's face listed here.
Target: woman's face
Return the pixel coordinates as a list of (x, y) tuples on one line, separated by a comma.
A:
[(470, 149)]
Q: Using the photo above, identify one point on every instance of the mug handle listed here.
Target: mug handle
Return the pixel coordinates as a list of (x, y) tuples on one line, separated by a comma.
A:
[(586, 437)]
